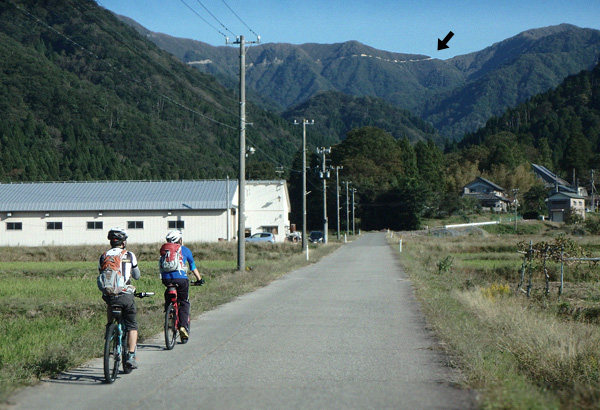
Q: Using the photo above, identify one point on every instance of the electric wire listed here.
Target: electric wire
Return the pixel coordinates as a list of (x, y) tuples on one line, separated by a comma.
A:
[(171, 100), (213, 16), (240, 19), (123, 41), (203, 19), (39, 21)]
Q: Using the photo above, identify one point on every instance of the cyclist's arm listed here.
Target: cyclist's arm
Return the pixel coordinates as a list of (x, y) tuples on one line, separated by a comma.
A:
[(187, 253), (135, 271)]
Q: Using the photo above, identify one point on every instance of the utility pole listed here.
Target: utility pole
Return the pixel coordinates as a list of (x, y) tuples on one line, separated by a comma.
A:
[(347, 210), (228, 209), (353, 219), (324, 174), (516, 202), (242, 161), (337, 191), (304, 239), (593, 208)]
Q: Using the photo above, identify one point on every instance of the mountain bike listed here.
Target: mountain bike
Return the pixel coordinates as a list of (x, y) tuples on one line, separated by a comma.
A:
[(115, 343), (172, 316)]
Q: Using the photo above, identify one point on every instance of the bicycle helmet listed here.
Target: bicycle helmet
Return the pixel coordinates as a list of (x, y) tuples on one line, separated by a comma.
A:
[(174, 236), (117, 236)]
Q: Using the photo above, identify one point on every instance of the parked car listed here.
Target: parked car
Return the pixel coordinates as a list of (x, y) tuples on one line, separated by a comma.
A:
[(316, 237), (261, 237), (294, 237)]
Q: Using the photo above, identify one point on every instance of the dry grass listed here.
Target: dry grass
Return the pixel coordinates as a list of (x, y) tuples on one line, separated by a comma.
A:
[(518, 352)]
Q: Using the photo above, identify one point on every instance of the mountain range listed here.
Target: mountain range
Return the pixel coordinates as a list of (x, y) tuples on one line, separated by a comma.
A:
[(456, 96), (86, 97)]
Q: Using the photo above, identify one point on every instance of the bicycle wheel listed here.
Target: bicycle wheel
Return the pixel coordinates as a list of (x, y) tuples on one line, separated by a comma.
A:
[(170, 326), (112, 358), (125, 354)]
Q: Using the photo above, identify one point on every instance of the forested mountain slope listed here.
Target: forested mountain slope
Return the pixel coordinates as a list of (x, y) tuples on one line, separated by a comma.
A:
[(457, 95), (85, 97), (336, 114), (559, 129)]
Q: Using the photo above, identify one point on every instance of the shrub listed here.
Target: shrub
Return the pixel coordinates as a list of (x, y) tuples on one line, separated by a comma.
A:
[(592, 225), (496, 290)]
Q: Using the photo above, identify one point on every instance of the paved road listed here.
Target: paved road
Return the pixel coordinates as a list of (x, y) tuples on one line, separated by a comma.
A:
[(344, 333)]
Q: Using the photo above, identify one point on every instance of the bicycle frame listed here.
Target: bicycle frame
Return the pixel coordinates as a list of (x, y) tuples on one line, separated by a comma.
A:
[(116, 346), (115, 353)]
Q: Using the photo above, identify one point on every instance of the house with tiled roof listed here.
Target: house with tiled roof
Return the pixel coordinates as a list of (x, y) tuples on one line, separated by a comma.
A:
[(490, 196)]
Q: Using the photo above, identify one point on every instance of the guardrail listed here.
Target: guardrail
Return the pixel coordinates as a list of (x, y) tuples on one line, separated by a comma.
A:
[(471, 224)]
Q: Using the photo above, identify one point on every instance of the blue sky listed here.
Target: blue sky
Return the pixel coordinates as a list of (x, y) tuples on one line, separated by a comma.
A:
[(392, 25)]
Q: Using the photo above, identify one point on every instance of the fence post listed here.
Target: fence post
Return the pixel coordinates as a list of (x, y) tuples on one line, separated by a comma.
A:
[(529, 268), (400, 245), (562, 262)]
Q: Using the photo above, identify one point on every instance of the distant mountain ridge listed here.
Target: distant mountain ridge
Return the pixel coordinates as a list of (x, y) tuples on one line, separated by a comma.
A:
[(457, 95)]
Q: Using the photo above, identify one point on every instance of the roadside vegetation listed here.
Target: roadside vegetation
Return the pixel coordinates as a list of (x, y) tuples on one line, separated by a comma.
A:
[(518, 352), (52, 316)]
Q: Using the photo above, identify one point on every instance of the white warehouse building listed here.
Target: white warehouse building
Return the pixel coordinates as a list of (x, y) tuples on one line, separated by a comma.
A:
[(81, 213)]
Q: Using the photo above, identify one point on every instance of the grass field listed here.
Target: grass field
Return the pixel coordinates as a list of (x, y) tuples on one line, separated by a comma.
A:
[(52, 316), (540, 352)]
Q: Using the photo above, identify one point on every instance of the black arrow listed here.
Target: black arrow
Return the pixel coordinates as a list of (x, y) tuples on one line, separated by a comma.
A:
[(442, 44)]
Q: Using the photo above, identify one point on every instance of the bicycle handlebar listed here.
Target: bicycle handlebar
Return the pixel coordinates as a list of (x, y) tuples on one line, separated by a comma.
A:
[(143, 294)]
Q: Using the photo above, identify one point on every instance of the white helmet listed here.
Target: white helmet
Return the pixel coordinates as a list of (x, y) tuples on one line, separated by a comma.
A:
[(174, 236)]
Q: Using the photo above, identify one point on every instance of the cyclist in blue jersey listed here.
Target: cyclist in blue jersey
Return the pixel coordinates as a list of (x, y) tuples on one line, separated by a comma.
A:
[(179, 278)]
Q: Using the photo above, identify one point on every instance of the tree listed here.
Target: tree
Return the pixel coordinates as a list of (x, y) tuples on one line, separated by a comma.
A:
[(372, 160), (430, 162)]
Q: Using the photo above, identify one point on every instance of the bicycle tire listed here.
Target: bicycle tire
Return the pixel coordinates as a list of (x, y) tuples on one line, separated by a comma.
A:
[(170, 326), (125, 355), (111, 353)]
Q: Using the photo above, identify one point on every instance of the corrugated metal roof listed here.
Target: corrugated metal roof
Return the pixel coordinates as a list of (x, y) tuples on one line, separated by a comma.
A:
[(116, 195), (548, 176)]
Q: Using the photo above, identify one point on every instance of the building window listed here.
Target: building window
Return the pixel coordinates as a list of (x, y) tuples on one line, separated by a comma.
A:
[(54, 226), (176, 224), (273, 229), (14, 226), (95, 225), (135, 224)]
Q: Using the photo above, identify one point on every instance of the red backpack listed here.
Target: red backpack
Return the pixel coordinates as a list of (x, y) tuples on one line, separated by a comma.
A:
[(171, 258)]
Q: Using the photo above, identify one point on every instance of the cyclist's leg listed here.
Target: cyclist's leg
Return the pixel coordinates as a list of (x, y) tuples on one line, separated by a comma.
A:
[(130, 321), (167, 283), (183, 286)]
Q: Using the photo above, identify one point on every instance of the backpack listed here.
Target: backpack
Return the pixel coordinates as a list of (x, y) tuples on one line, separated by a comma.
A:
[(111, 280), (171, 258)]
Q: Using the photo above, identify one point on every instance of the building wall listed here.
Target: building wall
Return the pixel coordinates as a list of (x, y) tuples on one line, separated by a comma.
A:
[(559, 205), (199, 226), (267, 209)]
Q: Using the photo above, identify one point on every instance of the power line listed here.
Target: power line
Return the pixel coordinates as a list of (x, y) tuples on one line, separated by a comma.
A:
[(240, 19), (203, 19), (123, 41), (196, 112), (39, 21), (213, 16), (270, 158)]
